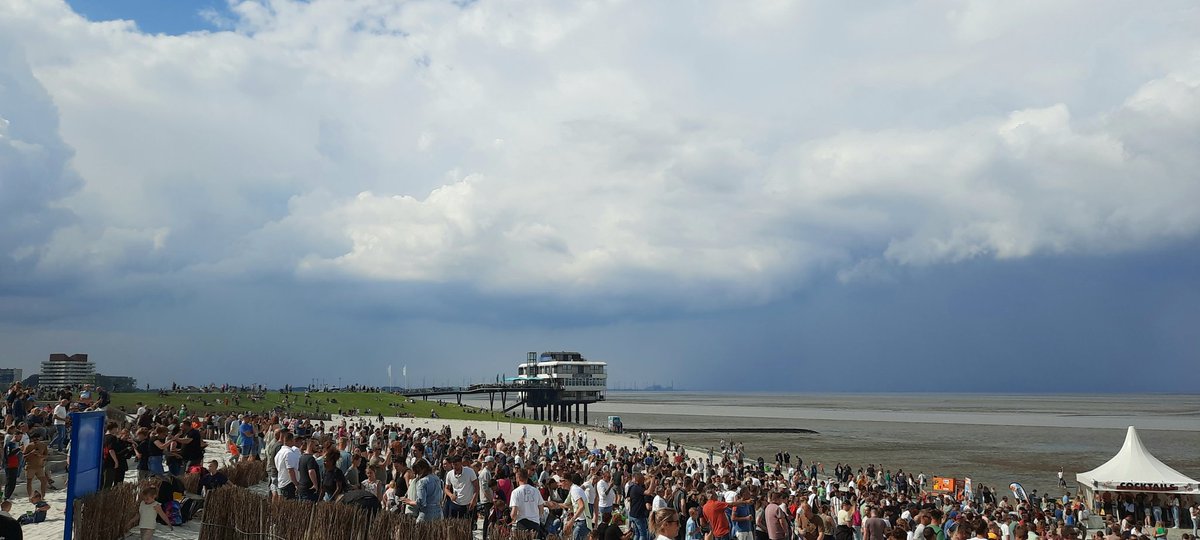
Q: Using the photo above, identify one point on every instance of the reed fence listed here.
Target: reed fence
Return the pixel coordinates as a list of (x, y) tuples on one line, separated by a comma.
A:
[(233, 513)]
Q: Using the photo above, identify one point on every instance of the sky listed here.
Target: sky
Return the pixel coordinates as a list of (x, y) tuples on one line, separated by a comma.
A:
[(923, 196)]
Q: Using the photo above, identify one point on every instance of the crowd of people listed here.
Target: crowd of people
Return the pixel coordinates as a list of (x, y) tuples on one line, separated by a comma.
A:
[(559, 483), (562, 485)]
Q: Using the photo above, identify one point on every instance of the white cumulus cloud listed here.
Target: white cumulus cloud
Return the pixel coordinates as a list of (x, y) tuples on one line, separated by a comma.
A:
[(703, 156)]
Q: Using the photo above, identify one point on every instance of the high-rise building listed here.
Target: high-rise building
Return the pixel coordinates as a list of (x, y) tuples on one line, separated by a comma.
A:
[(63, 370), (9, 376)]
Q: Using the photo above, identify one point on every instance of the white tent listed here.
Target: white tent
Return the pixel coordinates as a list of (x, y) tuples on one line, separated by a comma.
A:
[(1135, 469)]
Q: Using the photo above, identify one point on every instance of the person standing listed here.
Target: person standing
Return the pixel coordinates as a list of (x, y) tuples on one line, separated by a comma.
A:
[(35, 462), (429, 492), (192, 449), (273, 469), (527, 505), (462, 490), (874, 527), (287, 461), (665, 524), (14, 441), (248, 437), (308, 473), (60, 425), (714, 514), (606, 492), (639, 507), (575, 520), (333, 480), (234, 430), (773, 516), (149, 511), (487, 497)]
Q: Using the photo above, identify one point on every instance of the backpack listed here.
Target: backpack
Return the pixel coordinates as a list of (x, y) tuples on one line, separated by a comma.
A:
[(12, 455), (174, 512)]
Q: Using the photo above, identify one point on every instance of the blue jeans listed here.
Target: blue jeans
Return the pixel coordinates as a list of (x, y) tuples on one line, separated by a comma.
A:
[(457, 511), (641, 529), (580, 531), (60, 437), (156, 464)]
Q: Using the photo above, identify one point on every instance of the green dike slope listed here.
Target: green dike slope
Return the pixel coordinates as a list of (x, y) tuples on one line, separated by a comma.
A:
[(387, 404)]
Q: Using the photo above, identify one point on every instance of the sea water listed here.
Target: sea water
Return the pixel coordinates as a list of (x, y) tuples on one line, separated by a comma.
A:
[(993, 439)]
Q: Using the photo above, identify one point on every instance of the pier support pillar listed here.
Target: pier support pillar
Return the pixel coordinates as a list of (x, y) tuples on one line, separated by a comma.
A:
[(577, 417), (585, 413)]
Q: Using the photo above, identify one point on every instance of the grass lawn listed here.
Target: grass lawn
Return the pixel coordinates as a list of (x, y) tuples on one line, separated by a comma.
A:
[(388, 404)]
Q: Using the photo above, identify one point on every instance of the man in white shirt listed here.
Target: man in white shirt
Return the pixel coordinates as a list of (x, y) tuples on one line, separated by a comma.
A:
[(527, 504), (575, 523), (1005, 531), (606, 492), (287, 461), (922, 521), (462, 488), (235, 427), (60, 426)]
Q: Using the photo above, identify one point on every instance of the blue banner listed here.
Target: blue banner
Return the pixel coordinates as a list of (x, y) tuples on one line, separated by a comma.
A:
[(87, 447)]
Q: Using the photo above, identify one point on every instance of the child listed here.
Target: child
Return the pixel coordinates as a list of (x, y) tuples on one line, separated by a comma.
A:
[(391, 501), (40, 507), (148, 510)]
